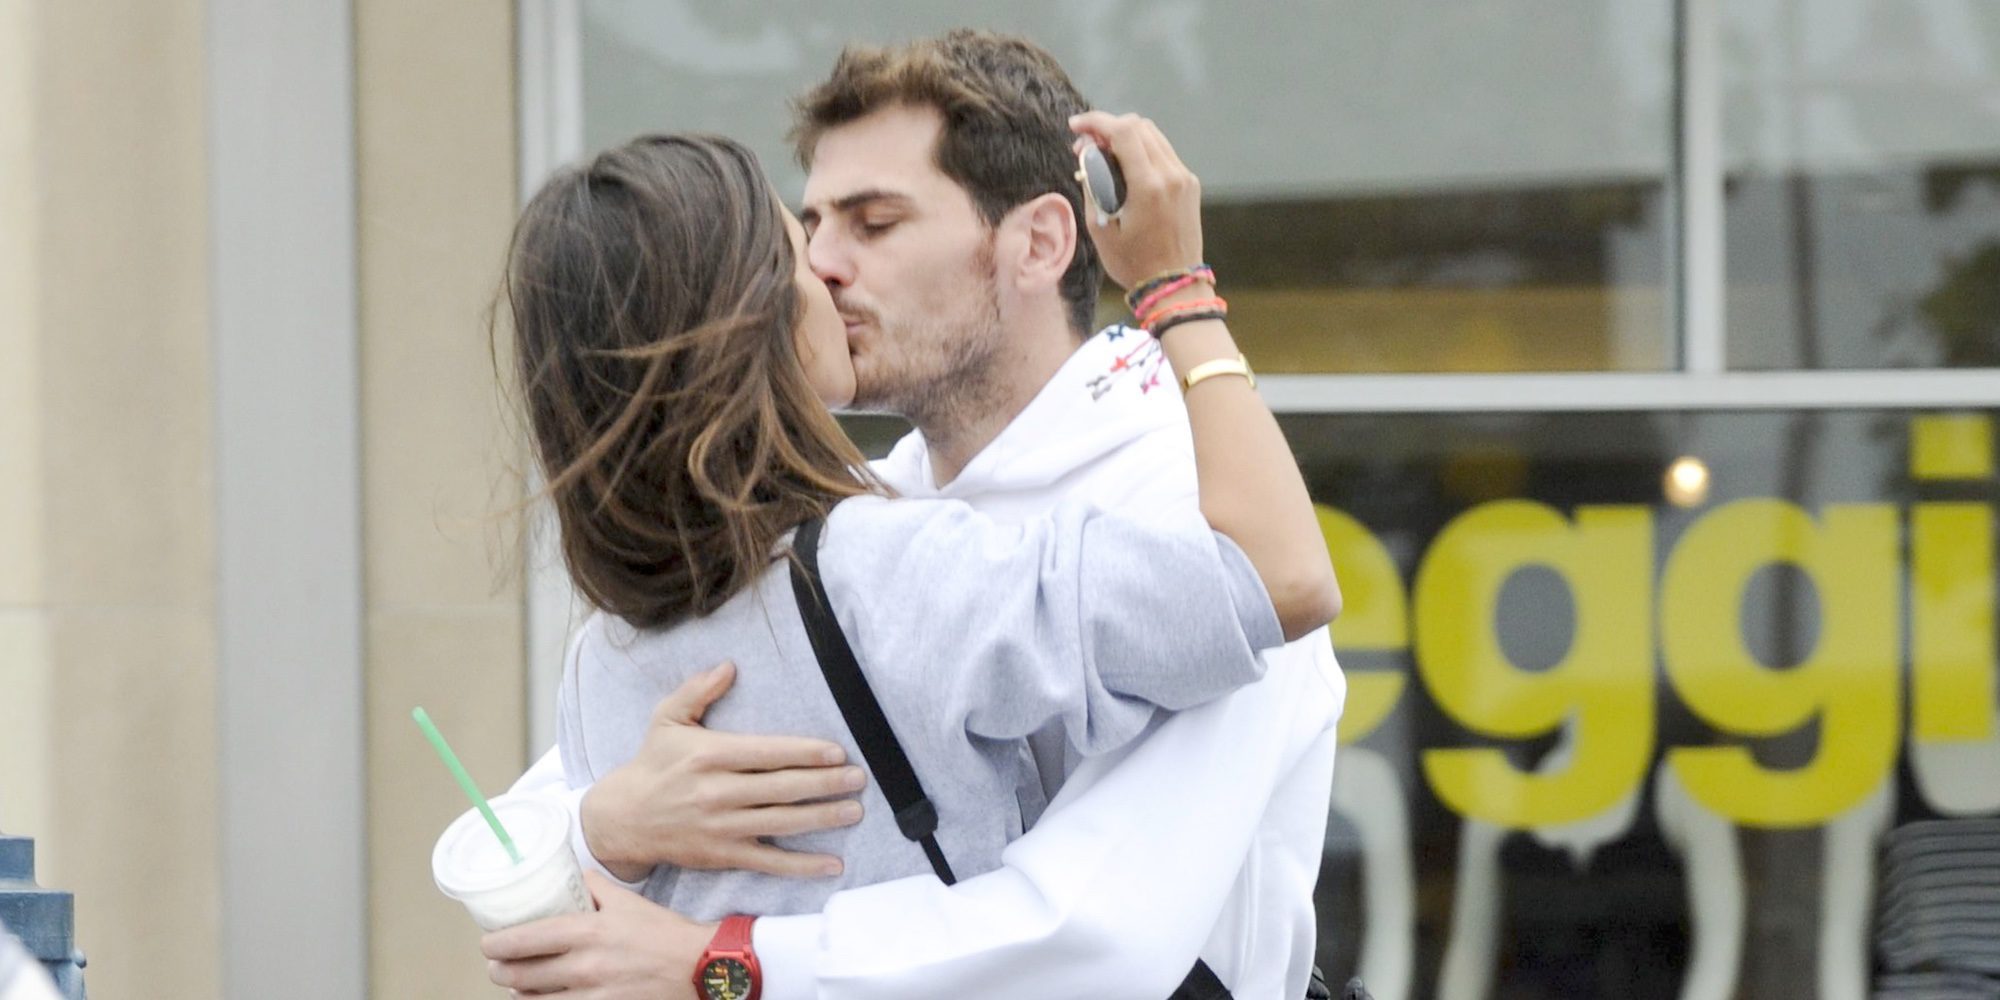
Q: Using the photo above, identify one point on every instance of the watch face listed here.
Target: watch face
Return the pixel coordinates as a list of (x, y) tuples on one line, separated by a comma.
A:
[(725, 979)]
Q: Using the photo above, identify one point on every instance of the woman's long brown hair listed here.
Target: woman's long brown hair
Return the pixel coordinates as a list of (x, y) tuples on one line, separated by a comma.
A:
[(654, 307)]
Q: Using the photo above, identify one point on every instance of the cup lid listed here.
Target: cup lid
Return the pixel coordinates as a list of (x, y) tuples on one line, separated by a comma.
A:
[(469, 858)]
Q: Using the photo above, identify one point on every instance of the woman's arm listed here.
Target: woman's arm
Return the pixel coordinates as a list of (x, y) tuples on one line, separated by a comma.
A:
[(1081, 617), (1250, 485)]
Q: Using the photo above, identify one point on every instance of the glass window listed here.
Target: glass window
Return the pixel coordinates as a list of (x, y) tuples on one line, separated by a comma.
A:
[(1596, 659), (1471, 189), (1862, 140)]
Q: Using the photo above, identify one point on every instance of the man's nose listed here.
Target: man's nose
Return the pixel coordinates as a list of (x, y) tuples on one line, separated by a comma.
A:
[(828, 259)]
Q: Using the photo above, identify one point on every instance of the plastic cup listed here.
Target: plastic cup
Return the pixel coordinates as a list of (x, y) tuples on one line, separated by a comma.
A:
[(470, 866)]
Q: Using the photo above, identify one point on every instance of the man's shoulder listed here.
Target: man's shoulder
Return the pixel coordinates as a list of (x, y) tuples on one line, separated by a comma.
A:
[(1152, 469)]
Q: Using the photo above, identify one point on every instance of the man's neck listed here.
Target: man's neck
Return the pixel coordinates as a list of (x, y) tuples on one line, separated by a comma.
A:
[(955, 436)]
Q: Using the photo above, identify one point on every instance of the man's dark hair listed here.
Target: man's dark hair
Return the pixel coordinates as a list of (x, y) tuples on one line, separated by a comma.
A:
[(1006, 106)]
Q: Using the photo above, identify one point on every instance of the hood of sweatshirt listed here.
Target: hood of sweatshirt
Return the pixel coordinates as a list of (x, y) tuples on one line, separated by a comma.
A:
[(1116, 388)]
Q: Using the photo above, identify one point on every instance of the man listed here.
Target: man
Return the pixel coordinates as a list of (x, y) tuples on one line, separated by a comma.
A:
[(1200, 839)]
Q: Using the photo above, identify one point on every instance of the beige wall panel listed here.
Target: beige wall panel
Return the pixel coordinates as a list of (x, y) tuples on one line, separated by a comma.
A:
[(126, 407), (20, 391), (27, 768), (136, 823), (114, 262), (463, 667), (436, 109)]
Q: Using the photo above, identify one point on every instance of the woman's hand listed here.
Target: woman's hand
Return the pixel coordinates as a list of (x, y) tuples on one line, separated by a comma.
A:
[(1249, 481), (630, 948), (695, 798), (1159, 227)]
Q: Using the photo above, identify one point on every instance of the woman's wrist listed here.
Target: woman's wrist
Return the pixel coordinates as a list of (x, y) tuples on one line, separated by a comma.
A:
[(1194, 291), (1199, 342)]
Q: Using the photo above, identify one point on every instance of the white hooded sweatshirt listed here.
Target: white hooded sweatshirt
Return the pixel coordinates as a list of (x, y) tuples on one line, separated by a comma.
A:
[(1201, 838), (1205, 835)]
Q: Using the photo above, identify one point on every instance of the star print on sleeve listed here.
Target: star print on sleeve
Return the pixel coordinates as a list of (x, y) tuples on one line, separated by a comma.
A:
[(1144, 359)]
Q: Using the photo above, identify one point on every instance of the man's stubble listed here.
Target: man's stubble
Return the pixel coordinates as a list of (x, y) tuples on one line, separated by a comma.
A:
[(948, 376)]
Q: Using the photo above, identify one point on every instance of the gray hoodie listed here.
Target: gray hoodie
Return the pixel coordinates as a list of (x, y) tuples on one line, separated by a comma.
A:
[(973, 635)]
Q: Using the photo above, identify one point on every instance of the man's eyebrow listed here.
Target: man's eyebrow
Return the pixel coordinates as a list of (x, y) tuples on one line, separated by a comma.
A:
[(850, 202)]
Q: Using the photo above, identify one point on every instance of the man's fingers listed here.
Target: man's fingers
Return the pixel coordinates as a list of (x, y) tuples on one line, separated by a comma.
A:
[(784, 821), (797, 784), (539, 939), (746, 752), (534, 976), (689, 702), (751, 856), (606, 893)]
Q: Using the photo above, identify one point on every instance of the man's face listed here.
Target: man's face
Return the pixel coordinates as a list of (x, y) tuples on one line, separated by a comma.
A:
[(909, 261)]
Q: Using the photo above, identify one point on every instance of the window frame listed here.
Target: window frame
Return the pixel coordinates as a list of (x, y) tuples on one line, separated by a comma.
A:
[(551, 133)]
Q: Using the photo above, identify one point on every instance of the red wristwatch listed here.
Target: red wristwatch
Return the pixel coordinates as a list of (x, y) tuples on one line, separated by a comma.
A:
[(728, 970)]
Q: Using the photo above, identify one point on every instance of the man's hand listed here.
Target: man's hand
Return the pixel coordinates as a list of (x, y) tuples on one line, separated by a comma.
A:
[(629, 949), (700, 799)]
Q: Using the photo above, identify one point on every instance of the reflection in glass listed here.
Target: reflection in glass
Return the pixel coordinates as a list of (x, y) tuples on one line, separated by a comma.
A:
[(1757, 640), (1466, 190), (1862, 139)]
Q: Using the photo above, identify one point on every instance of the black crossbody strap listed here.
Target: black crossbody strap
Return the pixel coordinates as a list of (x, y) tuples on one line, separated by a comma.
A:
[(1204, 984), (915, 815), (1201, 984)]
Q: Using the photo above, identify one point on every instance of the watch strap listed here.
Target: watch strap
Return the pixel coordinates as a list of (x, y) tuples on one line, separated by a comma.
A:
[(731, 943), (733, 935)]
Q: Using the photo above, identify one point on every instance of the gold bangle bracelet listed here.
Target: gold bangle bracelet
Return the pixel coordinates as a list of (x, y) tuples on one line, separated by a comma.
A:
[(1238, 365)]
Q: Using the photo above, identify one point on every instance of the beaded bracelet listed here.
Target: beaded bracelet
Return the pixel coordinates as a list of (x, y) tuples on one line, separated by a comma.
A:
[(1160, 330), (1146, 289), (1178, 308), (1139, 293), (1158, 295)]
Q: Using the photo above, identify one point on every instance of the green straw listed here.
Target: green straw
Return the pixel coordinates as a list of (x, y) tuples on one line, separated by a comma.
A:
[(464, 780)]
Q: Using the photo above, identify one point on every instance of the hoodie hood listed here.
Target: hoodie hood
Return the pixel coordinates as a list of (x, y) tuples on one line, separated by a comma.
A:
[(1115, 389)]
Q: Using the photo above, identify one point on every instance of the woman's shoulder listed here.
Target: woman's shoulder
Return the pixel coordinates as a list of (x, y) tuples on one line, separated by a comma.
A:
[(604, 642)]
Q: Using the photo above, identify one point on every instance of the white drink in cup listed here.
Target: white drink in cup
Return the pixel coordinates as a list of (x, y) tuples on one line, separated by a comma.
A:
[(471, 866)]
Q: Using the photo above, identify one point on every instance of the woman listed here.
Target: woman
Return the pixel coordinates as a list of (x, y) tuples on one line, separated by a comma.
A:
[(677, 358)]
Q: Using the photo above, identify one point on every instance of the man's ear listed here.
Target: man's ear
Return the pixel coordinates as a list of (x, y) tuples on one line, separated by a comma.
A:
[(1043, 235)]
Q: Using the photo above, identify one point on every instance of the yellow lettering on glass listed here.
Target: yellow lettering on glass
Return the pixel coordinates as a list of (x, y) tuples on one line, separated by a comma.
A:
[(1602, 688), (1374, 617), (1951, 446), (1951, 621), (1849, 680)]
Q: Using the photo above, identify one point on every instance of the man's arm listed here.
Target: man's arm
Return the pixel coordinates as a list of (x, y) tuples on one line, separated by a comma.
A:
[(703, 799), (696, 798), (1120, 882)]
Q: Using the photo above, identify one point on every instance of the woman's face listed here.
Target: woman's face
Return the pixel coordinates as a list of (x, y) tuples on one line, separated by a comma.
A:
[(822, 336)]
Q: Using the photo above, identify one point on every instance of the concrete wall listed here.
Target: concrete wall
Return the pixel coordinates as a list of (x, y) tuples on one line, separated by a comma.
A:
[(107, 597), (134, 625), (436, 118)]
